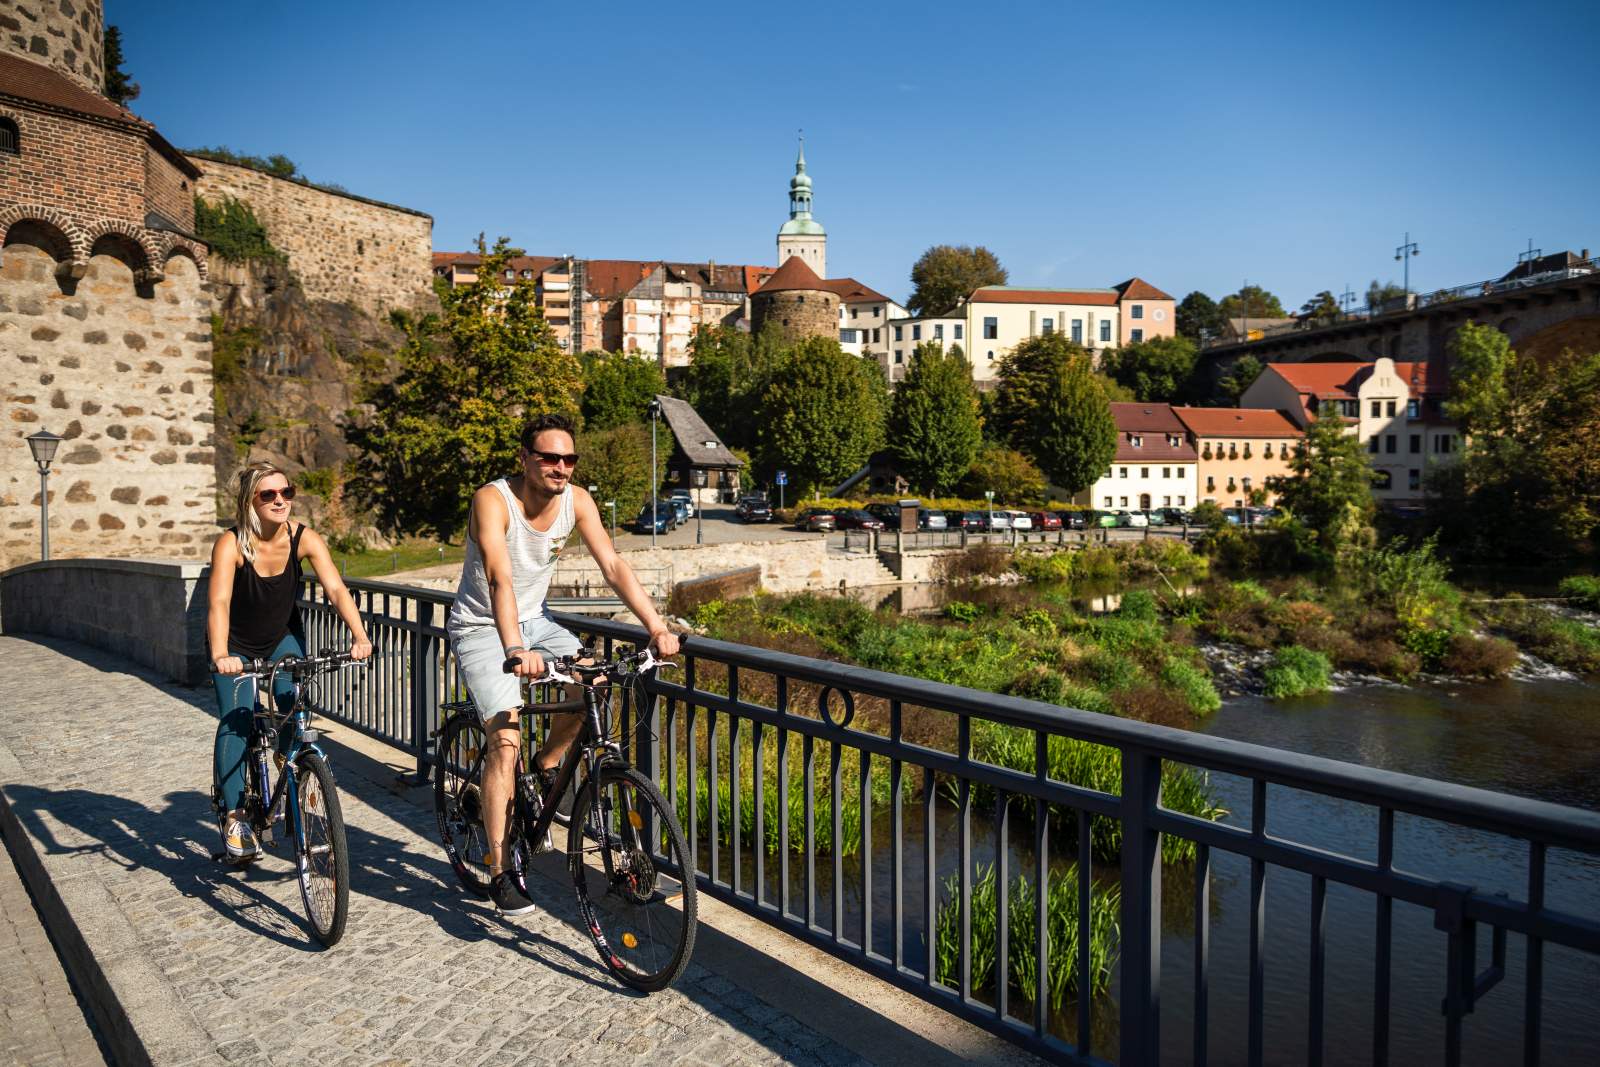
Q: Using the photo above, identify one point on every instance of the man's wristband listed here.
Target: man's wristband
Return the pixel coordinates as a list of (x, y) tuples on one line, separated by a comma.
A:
[(513, 650)]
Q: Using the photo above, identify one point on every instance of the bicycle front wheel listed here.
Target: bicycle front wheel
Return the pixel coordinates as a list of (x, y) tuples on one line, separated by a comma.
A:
[(324, 859), (633, 876), (458, 801)]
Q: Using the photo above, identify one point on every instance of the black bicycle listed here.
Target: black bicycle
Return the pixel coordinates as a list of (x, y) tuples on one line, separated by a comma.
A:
[(306, 799), (626, 854)]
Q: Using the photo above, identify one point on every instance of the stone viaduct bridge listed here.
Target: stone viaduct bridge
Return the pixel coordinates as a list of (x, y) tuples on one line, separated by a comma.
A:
[(1543, 318)]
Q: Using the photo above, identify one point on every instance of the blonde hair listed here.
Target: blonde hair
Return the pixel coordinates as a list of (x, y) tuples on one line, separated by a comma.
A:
[(248, 523)]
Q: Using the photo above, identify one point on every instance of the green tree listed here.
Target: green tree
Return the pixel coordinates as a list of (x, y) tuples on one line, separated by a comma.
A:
[(618, 388), (616, 461), (1322, 308), (1328, 490), (471, 376), (1240, 376), (1251, 301), (1155, 370), (727, 373), (1380, 293), (820, 416), (945, 275), (1053, 408), (1198, 315), (933, 427), (119, 87), (1011, 476)]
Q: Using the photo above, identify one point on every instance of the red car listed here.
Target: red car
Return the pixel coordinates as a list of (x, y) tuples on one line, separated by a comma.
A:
[(1046, 520)]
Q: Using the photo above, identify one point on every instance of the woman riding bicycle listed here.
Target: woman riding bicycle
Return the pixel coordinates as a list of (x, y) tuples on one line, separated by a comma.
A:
[(255, 579)]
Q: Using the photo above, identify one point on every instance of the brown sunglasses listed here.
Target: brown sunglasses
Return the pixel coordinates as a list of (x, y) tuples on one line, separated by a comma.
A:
[(267, 496), (553, 459)]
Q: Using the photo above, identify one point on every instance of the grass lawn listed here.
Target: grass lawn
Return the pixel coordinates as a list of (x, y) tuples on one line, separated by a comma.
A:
[(409, 555)]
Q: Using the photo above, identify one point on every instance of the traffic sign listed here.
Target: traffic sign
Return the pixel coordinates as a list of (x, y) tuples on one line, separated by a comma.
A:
[(783, 477)]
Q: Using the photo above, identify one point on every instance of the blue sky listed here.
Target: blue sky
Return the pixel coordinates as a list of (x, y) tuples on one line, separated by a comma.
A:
[(1195, 145)]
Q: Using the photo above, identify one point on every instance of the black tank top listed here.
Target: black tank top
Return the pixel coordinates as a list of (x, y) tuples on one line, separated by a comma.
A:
[(263, 611)]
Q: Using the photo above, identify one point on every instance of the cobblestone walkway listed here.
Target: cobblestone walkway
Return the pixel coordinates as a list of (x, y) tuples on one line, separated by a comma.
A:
[(41, 1024), (108, 772)]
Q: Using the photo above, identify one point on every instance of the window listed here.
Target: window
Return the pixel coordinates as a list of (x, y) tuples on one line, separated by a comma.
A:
[(1166, 501), (1105, 330), (899, 333), (1245, 481), (1138, 335), (847, 337), (1124, 501), (1137, 311), (1412, 409), (1175, 440), (1123, 472), (991, 330), (877, 312), (800, 300), (853, 313), (1144, 472), (1077, 331), (877, 335), (958, 331), (991, 353), (1048, 327), (10, 138), (1136, 440), (510, 274), (1180, 500), (1349, 408), (1443, 443), (1413, 479), (1416, 443), (1389, 409), (1382, 480), (1211, 485), (899, 355), (1247, 450), (1108, 502), (1267, 451), (938, 331), (1166, 472), (1390, 441), (916, 332), (1372, 445)]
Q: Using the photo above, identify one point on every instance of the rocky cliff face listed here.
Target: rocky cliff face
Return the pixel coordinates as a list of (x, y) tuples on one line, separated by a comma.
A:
[(289, 374)]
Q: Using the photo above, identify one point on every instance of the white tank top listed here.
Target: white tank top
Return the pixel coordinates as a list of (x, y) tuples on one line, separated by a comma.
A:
[(533, 562)]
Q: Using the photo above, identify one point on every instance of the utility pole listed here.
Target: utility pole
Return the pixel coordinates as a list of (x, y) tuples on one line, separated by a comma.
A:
[(655, 411), (1407, 249)]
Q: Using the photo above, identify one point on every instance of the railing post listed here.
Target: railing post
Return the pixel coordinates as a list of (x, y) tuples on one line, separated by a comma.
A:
[(1141, 909), (644, 733), (424, 685)]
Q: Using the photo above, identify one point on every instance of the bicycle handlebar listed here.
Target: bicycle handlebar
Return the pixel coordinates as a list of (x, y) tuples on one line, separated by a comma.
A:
[(565, 670), (300, 665)]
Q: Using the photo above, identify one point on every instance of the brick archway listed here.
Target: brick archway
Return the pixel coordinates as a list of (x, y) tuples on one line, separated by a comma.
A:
[(70, 230), (173, 245), (152, 268)]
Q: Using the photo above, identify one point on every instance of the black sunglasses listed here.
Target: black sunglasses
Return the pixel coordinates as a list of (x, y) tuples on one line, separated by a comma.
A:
[(554, 459), (267, 496)]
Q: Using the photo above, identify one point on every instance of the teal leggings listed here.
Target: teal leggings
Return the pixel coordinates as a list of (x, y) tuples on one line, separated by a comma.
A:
[(237, 722)]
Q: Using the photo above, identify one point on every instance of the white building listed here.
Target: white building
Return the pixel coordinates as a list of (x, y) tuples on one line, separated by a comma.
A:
[(906, 332), (1154, 466), (864, 316)]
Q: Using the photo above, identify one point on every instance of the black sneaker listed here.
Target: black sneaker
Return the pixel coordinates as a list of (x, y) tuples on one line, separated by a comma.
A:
[(508, 898)]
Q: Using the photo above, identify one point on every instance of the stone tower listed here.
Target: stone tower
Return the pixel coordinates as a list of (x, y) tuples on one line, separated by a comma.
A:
[(802, 235), (66, 35), (796, 300)]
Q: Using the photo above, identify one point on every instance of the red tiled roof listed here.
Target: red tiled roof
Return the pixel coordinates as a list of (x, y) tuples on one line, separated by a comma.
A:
[(1151, 423), (756, 277), (607, 279), (1099, 297), (42, 85), (1139, 289), (1236, 422), (794, 274), (1343, 380), (853, 292)]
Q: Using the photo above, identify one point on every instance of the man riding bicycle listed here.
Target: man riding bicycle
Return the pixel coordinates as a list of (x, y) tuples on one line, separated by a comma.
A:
[(515, 533)]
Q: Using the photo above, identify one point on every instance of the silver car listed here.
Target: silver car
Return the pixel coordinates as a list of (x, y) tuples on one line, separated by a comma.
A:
[(1020, 520)]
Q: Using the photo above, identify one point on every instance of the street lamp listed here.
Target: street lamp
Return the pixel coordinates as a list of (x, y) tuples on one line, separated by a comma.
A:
[(1404, 253), (988, 494), (655, 413), (43, 445), (697, 476)]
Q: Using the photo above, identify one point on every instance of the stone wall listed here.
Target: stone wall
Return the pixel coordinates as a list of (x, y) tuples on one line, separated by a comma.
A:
[(64, 34), (167, 190), (151, 611), (799, 313), (123, 372), (342, 248), (79, 166)]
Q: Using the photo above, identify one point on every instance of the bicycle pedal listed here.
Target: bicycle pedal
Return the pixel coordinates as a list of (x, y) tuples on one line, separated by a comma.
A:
[(546, 845)]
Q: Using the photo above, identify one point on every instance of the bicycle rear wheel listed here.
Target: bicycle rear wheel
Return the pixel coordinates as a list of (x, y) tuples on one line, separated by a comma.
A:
[(633, 877), (458, 801), (324, 859)]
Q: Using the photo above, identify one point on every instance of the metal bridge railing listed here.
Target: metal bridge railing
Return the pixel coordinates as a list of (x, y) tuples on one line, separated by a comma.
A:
[(853, 808)]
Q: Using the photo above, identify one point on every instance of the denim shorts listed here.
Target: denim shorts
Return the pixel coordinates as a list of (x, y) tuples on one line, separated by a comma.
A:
[(479, 657)]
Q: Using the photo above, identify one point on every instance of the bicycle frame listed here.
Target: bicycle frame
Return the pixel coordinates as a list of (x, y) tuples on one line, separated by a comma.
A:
[(269, 722)]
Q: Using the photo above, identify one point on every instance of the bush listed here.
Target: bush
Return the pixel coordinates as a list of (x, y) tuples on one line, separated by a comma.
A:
[(961, 611), (1297, 671), (1055, 567), (232, 230), (1471, 656), (1583, 590), (1139, 605), (1193, 684)]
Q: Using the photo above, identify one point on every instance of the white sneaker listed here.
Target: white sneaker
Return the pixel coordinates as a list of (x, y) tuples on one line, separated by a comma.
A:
[(239, 839)]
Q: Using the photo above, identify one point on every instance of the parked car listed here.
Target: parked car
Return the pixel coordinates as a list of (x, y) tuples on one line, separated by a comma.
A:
[(858, 519), (1236, 516), (972, 520), (685, 496), (928, 519), (1046, 520), (1020, 520), (754, 508), (1075, 520), (1171, 517), (995, 521), (1132, 518), (819, 519), (658, 520), (680, 509), (888, 514)]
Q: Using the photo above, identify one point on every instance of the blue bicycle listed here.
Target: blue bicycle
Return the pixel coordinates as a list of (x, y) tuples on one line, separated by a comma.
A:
[(305, 799)]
